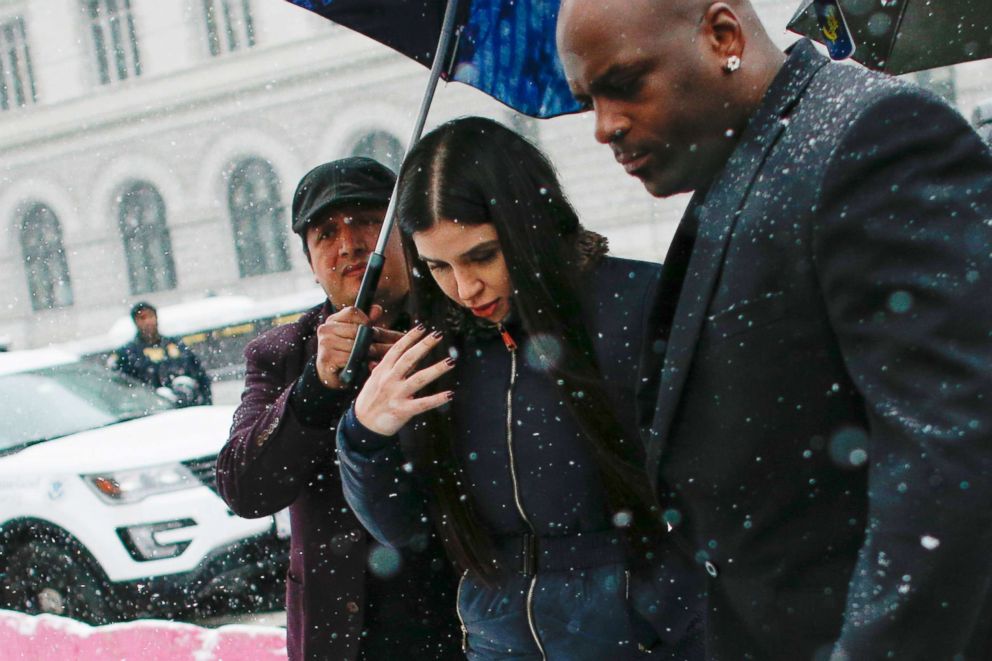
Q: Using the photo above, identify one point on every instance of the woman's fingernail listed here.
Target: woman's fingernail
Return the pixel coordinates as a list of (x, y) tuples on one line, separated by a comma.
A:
[(451, 395), (437, 334), (420, 326), (449, 361)]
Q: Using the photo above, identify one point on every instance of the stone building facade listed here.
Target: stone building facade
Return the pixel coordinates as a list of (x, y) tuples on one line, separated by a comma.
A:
[(149, 150)]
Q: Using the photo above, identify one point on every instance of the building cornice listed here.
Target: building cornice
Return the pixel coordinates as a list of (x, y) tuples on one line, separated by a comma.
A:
[(338, 61)]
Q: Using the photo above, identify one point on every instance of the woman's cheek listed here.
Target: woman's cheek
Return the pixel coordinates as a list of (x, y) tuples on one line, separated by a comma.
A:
[(446, 283), (500, 277)]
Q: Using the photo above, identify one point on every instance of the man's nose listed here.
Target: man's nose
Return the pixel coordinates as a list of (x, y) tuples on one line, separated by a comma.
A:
[(352, 240), (611, 125)]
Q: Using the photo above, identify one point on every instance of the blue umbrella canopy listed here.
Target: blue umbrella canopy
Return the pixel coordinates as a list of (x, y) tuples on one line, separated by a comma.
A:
[(505, 48)]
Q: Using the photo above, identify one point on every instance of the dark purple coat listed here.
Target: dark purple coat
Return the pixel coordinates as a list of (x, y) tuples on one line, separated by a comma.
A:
[(281, 453)]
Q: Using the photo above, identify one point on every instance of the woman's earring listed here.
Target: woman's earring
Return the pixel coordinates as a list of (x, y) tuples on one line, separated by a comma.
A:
[(733, 64)]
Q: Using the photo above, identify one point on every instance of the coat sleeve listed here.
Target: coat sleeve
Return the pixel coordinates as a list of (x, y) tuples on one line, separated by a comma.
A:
[(901, 246), (379, 484), (271, 453)]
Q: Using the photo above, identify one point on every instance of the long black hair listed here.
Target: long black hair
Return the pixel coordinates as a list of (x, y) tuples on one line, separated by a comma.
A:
[(478, 171)]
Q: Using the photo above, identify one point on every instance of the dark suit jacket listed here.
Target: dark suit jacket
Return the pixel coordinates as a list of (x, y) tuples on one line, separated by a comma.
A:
[(281, 453), (824, 426)]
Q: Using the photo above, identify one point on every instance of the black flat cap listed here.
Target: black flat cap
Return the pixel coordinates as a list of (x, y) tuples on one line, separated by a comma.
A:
[(355, 180)]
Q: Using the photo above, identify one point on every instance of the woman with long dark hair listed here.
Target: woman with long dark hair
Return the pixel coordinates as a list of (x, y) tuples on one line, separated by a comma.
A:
[(519, 440)]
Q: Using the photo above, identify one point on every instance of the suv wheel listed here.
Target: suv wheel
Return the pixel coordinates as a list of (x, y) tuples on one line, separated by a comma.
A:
[(43, 577)]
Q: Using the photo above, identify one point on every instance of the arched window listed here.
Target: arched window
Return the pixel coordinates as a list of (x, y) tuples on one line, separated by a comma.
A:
[(381, 146), (257, 218), (45, 264), (147, 245)]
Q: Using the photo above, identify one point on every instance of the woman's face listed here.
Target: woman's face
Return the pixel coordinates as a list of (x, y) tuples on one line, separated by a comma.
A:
[(467, 263)]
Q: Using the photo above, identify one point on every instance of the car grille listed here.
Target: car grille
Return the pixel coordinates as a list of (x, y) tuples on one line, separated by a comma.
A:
[(205, 470)]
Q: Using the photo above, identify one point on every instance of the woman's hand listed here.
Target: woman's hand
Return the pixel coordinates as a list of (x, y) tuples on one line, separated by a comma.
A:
[(387, 400)]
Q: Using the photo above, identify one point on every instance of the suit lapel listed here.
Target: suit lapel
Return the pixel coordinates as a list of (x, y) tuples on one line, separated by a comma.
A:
[(717, 215)]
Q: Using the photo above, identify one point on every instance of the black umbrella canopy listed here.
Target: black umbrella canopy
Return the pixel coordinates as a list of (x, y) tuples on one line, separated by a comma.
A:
[(408, 26), (901, 36)]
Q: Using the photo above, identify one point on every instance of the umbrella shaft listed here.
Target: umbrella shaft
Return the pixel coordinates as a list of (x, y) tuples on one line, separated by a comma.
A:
[(441, 57), (366, 291)]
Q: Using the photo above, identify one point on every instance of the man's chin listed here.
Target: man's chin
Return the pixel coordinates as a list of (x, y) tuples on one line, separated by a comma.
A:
[(343, 299), (662, 186)]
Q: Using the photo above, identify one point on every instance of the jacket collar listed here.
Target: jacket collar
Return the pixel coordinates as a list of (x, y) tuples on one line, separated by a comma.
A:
[(717, 211)]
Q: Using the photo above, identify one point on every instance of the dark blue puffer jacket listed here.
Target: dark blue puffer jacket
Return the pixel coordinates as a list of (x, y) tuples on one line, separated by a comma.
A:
[(545, 467), (558, 481)]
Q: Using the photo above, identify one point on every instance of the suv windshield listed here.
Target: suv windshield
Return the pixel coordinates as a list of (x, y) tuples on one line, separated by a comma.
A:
[(66, 399)]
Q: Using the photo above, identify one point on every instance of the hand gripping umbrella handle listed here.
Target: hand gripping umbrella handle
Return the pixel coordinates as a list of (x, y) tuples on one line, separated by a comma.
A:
[(363, 340), (366, 292)]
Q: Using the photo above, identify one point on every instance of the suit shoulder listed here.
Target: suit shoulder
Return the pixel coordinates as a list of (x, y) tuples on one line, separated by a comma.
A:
[(627, 265), (627, 273), (852, 94), (624, 282)]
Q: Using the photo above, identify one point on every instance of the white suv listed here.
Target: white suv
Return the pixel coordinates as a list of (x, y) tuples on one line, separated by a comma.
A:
[(108, 504)]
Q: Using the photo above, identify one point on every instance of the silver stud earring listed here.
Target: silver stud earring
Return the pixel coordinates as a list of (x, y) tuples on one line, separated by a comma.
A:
[(733, 64)]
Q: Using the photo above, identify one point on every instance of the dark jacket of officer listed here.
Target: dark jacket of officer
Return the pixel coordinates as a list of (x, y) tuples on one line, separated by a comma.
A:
[(158, 363)]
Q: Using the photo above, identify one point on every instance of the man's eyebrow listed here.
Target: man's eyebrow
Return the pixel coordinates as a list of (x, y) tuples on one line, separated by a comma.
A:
[(604, 81)]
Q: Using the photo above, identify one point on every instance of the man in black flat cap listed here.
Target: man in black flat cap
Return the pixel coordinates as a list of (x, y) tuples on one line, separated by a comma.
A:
[(161, 361), (346, 597)]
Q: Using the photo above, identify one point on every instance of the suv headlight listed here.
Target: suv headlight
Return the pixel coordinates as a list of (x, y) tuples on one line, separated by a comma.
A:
[(130, 486)]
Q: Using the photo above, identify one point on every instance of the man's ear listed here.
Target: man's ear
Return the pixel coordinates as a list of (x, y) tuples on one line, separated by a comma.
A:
[(724, 32)]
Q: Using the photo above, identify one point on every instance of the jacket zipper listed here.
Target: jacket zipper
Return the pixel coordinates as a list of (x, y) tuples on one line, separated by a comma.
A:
[(511, 346)]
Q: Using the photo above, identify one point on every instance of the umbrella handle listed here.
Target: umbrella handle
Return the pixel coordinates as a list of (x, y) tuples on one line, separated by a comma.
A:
[(363, 340), (356, 361), (370, 281)]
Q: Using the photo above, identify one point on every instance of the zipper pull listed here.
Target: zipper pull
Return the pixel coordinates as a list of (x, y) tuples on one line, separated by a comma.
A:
[(508, 340)]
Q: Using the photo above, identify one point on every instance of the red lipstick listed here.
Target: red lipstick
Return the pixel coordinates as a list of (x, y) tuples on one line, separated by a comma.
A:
[(486, 310)]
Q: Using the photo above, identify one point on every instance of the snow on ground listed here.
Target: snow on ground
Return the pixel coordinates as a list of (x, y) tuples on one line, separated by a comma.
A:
[(49, 637)]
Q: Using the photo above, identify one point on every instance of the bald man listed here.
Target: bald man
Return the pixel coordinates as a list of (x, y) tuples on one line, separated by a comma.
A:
[(823, 435)]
